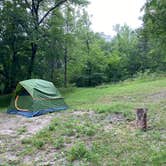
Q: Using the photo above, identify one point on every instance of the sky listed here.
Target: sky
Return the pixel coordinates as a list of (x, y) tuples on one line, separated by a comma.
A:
[(104, 14)]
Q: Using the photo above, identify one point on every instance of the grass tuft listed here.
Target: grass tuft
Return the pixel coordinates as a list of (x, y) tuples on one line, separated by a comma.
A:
[(77, 152)]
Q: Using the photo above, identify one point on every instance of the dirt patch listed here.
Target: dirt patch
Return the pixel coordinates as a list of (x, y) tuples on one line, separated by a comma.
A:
[(13, 129), (151, 97), (111, 120), (156, 97), (111, 99), (105, 100), (82, 112), (47, 156), (14, 125), (115, 118), (131, 125), (108, 127)]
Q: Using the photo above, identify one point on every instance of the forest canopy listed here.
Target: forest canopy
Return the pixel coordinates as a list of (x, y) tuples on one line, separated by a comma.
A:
[(53, 40)]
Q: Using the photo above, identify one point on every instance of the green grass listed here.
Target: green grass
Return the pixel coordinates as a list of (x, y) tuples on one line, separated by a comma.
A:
[(125, 90), (86, 135), (77, 152), (21, 130)]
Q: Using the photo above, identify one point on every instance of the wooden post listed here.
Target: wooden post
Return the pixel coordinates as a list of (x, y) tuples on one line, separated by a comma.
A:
[(141, 118)]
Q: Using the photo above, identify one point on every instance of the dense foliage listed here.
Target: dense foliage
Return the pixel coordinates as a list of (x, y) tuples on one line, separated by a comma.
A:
[(53, 40)]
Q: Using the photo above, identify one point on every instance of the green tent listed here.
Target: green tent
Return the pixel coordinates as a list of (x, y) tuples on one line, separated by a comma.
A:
[(35, 97)]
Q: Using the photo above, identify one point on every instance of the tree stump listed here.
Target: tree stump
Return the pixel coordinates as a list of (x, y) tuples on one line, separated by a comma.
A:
[(141, 118)]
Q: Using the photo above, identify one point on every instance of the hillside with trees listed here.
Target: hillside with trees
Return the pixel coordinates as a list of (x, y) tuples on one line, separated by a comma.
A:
[(53, 40)]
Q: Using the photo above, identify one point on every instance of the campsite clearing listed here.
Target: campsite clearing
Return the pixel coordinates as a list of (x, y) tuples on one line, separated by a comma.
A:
[(99, 129)]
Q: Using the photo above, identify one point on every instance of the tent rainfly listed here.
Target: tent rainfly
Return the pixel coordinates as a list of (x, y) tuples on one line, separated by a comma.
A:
[(35, 97)]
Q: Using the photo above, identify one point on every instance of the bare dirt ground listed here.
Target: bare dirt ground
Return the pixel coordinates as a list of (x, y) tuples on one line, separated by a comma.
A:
[(155, 97), (12, 125), (158, 96), (13, 128)]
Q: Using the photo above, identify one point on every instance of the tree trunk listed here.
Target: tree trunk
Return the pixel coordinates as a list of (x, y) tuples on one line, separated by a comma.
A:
[(33, 55), (141, 118), (14, 65), (89, 73), (65, 65), (52, 69), (7, 89), (89, 63), (13, 73)]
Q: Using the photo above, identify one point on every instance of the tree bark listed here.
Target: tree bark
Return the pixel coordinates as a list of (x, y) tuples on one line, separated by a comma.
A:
[(89, 63), (141, 118), (14, 65), (51, 9), (33, 55), (65, 65)]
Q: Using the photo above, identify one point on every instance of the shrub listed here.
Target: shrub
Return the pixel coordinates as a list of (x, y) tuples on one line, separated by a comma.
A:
[(90, 80), (5, 100)]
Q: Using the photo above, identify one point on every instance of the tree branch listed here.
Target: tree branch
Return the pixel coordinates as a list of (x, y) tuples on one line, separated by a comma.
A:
[(28, 5), (51, 9), (40, 1)]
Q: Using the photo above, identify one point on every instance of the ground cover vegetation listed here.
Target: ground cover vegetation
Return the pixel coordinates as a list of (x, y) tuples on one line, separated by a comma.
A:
[(99, 129)]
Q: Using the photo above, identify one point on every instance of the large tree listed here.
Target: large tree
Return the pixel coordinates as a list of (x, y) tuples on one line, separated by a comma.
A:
[(23, 33), (13, 41), (154, 32), (40, 11)]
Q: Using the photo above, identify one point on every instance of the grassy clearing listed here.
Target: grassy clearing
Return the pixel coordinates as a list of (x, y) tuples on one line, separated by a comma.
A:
[(85, 135), (99, 128)]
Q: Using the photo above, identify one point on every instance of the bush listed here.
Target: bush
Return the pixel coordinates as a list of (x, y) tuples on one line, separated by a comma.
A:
[(148, 75), (97, 79), (90, 80), (5, 100)]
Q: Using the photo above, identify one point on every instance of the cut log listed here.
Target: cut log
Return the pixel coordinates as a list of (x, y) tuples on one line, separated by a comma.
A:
[(141, 118)]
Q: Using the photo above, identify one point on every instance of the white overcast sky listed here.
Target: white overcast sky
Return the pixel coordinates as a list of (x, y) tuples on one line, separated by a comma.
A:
[(106, 13)]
